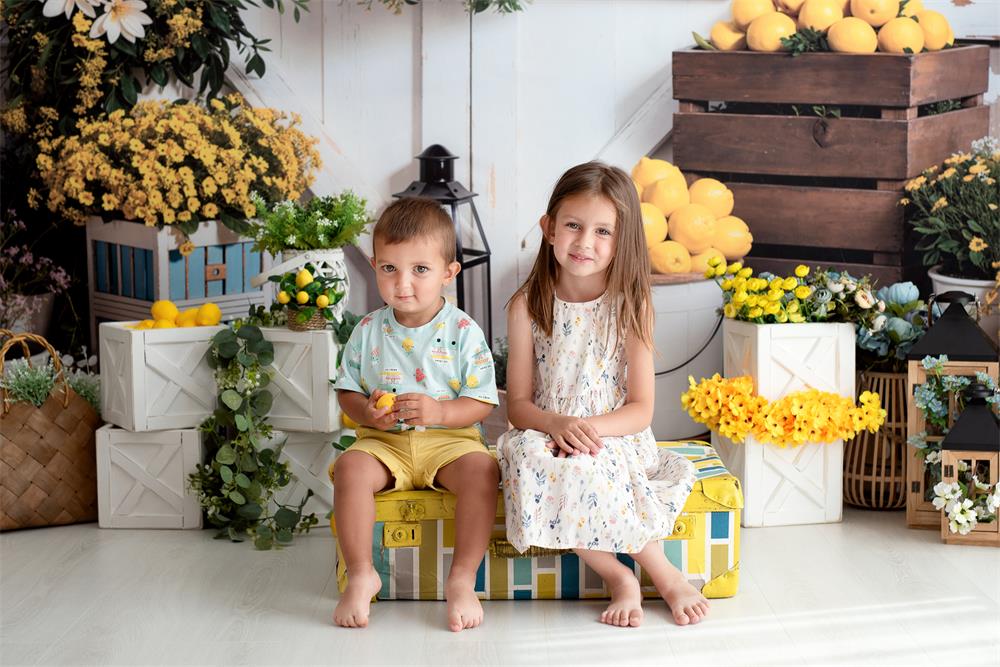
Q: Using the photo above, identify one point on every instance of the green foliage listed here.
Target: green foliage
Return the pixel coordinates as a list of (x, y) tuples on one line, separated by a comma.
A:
[(324, 222), (241, 472), (500, 351), (87, 386), (471, 6), (321, 286), (804, 41), (27, 384)]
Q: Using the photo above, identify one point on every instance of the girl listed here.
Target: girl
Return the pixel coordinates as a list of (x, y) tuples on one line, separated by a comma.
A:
[(581, 469)]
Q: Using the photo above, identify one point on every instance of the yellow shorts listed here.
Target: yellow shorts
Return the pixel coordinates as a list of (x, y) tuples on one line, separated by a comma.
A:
[(415, 457)]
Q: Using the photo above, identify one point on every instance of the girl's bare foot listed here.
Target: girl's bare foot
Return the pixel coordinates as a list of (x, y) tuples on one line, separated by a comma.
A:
[(464, 609), (686, 603), (625, 609), (355, 602)]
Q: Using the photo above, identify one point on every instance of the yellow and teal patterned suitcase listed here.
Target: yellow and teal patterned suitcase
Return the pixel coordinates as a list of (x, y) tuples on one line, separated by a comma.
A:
[(414, 539)]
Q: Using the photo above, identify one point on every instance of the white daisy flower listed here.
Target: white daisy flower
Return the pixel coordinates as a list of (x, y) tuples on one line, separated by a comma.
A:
[(121, 18), (57, 7)]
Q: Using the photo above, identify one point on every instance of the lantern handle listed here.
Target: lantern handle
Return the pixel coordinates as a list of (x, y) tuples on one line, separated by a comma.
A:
[(952, 296)]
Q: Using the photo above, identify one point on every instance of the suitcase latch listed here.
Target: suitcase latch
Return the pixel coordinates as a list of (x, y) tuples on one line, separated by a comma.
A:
[(398, 534), (412, 511)]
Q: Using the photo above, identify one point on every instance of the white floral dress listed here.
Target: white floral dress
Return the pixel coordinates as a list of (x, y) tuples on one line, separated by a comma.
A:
[(620, 499)]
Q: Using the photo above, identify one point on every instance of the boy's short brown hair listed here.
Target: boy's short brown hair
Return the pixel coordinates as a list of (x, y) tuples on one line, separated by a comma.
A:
[(416, 217)]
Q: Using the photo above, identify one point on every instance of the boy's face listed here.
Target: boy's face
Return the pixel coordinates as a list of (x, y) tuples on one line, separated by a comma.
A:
[(582, 234), (411, 275)]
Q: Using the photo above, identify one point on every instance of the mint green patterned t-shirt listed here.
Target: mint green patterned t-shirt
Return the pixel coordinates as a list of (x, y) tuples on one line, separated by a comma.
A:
[(446, 358)]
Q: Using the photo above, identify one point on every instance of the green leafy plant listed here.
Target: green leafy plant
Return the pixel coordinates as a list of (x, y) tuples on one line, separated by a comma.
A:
[(304, 293), (500, 352), (241, 473), (472, 6), (342, 331), (804, 41), (324, 222), (27, 384)]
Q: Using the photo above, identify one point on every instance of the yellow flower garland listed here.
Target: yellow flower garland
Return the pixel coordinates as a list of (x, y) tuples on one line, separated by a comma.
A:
[(730, 407)]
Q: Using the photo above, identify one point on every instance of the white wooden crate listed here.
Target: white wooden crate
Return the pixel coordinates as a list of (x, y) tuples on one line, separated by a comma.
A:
[(157, 378), (304, 364), (793, 485), (309, 456), (142, 478)]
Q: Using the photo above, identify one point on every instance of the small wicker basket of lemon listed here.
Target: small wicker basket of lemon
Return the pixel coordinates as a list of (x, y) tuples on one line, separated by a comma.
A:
[(308, 297)]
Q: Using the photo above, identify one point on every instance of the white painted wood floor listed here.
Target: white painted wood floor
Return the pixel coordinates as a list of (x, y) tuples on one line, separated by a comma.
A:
[(866, 591)]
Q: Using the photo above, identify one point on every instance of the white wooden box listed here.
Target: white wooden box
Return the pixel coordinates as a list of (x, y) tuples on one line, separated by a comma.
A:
[(131, 265), (309, 456), (304, 364), (142, 478), (156, 379), (791, 485)]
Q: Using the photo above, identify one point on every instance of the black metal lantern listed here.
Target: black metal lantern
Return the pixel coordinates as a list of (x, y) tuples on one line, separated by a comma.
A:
[(975, 441), (969, 351), (437, 182)]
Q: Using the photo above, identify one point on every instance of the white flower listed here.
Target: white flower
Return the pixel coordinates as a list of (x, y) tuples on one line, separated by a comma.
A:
[(122, 18), (933, 456), (291, 239), (57, 7), (982, 486), (835, 287), (849, 285), (324, 222), (864, 299), (879, 323), (880, 305), (962, 517), (993, 500), (962, 466)]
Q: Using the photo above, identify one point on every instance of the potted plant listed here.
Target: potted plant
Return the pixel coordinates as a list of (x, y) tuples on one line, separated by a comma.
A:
[(29, 283), (875, 463), (309, 297), (955, 209), (314, 233)]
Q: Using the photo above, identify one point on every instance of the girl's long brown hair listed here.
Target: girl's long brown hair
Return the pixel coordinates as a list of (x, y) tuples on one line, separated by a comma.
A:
[(628, 273)]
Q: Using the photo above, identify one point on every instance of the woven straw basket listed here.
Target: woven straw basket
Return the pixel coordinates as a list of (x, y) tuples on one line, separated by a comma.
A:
[(48, 465)]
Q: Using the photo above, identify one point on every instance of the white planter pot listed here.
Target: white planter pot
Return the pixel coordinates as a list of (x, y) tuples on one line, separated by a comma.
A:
[(329, 262), (793, 485), (686, 319), (978, 288), (142, 478)]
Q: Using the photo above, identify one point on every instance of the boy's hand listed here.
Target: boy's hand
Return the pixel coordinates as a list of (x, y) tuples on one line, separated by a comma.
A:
[(382, 419), (574, 435), (418, 410)]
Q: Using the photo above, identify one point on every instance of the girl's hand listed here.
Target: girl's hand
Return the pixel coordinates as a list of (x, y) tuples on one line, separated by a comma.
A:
[(382, 419), (418, 410), (574, 435)]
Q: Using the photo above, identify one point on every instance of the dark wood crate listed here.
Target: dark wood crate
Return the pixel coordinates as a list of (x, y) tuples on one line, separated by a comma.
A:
[(828, 185)]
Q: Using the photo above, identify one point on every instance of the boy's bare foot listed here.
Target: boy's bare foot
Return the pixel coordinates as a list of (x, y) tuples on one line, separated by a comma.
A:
[(355, 602), (625, 609), (686, 603), (464, 609)]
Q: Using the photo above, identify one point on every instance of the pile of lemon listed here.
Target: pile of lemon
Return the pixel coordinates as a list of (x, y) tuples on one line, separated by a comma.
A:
[(166, 315), (850, 26), (686, 226)]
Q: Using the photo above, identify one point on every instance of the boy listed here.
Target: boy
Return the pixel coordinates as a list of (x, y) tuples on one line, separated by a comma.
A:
[(433, 361)]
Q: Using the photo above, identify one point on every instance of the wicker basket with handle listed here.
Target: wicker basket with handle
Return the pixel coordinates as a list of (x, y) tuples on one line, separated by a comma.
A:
[(48, 466)]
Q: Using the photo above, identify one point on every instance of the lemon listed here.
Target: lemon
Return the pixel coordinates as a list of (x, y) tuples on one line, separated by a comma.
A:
[(911, 8), (303, 278), (146, 324), (347, 422), (700, 262), (745, 11), (937, 31), (693, 226), (852, 35), (732, 237), (765, 32), (713, 195), (385, 401), (820, 14), (790, 7), (284, 297), (163, 324), (322, 301), (654, 224), (875, 13), (163, 310), (302, 298), (667, 194), (901, 35), (208, 315), (647, 171), (187, 318), (670, 257), (727, 37)]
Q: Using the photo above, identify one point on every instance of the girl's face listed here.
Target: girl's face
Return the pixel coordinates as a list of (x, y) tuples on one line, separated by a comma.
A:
[(582, 235)]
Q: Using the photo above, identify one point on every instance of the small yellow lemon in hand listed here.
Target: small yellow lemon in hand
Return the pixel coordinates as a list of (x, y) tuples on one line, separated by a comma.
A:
[(322, 301), (385, 401), (163, 310), (302, 298), (284, 297), (303, 278), (208, 315)]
